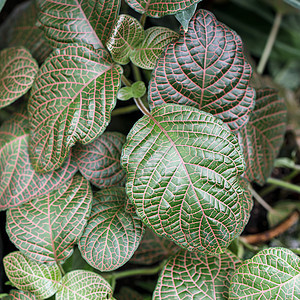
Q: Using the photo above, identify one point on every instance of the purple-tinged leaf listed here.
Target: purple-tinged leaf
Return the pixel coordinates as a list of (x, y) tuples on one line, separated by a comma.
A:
[(205, 68), (112, 234), (78, 21), (194, 276), (20, 295), (46, 228), (18, 70), (99, 161), (19, 182), (262, 137), (71, 101)]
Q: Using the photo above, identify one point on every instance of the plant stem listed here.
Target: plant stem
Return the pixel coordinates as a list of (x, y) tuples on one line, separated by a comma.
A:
[(283, 184), (260, 200), (143, 19), (124, 110), (270, 42), (136, 73), (62, 271)]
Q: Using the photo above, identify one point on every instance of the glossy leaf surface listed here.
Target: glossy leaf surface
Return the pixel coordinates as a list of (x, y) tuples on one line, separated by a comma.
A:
[(273, 273), (184, 17), (193, 276), (206, 69), (99, 161), (112, 234), (20, 295), (183, 168), (40, 279), (262, 137), (71, 101)]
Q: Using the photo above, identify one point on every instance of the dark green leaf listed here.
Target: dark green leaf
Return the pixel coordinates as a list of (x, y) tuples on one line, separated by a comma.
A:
[(20, 295), (184, 16)]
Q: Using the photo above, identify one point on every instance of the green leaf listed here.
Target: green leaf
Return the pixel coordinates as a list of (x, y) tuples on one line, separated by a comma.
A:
[(40, 279), (126, 35), (125, 93), (71, 101), (84, 285), (183, 167), (112, 234), (18, 70), (184, 17), (99, 161), (193, 276), (206, 69), (46, 228), (149, 50), (73, 21), (2, 2), (138, 89), (294, 3), (20, 295), (262, 137), (19, 182), (273, 273)]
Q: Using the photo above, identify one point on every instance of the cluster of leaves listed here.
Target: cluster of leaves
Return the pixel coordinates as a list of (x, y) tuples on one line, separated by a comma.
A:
[(182, 171)]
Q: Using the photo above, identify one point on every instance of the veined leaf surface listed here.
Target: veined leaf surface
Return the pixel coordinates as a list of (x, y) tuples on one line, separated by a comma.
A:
[(20, 295), (194, 276), (183, 168), (40, 279), (46, 228), (112, 234), (71, 101), (273, 273), (99, 161), (206, 69)]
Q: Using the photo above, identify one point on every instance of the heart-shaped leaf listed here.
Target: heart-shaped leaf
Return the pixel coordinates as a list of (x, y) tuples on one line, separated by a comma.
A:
[(20, 295), (183, 167), (193, 276), (99, 161), (46, 228), (78, 21), (206, 69), (19, 182), (80, 284), (112, 234), (71, 100), (262, 137), (273, 273), (18, 70), (40, 279)]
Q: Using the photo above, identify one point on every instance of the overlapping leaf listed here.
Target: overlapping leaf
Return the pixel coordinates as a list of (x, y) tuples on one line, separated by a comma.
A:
[(71, 101), (112, 234), (193, 276), (262, 137), (206, 69), (40, 279), (19, 182), (18, 70), (78, 21), (99, 161), (20, 295), (184, 16), (273, 273), (183, 168)]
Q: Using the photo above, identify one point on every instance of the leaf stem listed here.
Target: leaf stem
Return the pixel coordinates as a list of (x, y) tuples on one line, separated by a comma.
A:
[(283, 184), (143, 19), (124, 110), (136, 72), (261, 201), (62, 271)]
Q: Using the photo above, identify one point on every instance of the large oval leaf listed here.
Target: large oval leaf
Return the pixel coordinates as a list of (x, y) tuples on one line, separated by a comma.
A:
[(71, 100), (46, 228), (183, 168), (206, 69), (112, 234)]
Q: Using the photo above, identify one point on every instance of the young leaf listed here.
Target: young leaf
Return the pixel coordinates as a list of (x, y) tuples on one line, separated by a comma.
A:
[(138, 89), (18, 70), (40, 279), (112, 234), (262, 137), (46, 228), (193, 276), (183, 167), (19, 182), (74, 21), (20, 295), (80, 284), (273, 273), (206, 69), (184, 17), (125, 93), (99, 161), (71, 100)]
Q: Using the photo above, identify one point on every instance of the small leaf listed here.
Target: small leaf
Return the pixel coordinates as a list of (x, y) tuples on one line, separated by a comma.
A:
[(125, 93), (18, 70), (138, 89), (79, 285), (112, 234), (294, 3), (273, 273), (193, 276), (184, 16), (40, 279), (99, 161), (20, 295), (71, 101), (183, 167)]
